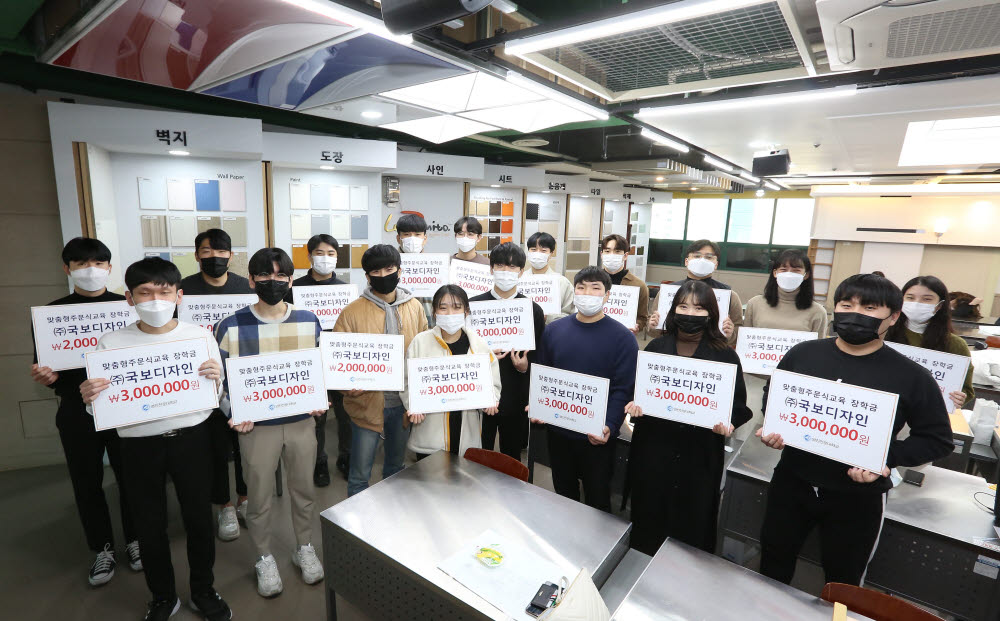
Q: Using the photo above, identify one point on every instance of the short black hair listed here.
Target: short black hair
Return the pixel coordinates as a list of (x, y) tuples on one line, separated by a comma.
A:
[(472, 225), (453, 290), (156, 270), (262, 262), (411, 223), (870, 289), (592, 273), (620, 242), (380, 256), (508, 253), (542, 240), (85, 249), (695, 246), (217, 240), (322, 238)]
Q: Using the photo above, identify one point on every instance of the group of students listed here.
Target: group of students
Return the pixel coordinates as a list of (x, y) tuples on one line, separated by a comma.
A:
[(675, 469)]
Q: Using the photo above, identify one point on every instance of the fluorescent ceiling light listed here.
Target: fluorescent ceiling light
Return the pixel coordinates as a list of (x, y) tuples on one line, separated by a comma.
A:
[(494, 185), (638, 20), (178, 152), (971, 141), (529, 117), (932, 189), (371, 114), (470, 91), (659, 138), (824, 180), (747, 102), (551, 93), (438, 129), (711, 161), (504, 7), (750, 177), (351, 17), (661, 178), (953, 171), (773, 186)]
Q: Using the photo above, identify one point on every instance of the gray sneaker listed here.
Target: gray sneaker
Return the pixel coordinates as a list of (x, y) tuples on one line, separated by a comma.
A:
[(229, 527), (268, 578)]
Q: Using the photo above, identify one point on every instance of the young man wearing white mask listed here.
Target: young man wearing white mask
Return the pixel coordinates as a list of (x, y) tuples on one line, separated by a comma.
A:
[(411, 233), (507, 264), (614, 254), (88, 263), (591, 343), (175, 447), (468, 233), (541, 249)]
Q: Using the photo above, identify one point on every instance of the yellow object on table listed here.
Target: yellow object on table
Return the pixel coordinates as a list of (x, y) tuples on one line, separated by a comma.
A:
[(958, 423)]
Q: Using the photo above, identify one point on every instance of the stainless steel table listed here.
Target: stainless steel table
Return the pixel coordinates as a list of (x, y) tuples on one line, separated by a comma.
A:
[(682, 583), (381, 547)]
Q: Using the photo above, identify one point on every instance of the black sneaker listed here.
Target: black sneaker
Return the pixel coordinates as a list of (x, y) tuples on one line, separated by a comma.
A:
[(211, 605), (321, 475), (134, 559), (103, 568), (162, 609), (344, 466)]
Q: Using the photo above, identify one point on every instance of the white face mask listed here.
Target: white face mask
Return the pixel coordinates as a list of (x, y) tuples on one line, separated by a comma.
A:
[(324, 265), (538, 260), (789, 281), (505, 281), (90, 278), (613, 262), (700, 267), (465, 244), (450, 324), (412, 245), (156, 313), (918, 315), (588, 305)]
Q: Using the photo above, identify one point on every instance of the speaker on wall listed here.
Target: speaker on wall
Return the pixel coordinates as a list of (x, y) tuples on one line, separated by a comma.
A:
[(770, 163), (406, 16)]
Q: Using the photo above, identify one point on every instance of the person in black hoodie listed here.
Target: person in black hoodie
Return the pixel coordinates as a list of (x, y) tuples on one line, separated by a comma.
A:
[(847, 503), (507, 262), (675, 468)]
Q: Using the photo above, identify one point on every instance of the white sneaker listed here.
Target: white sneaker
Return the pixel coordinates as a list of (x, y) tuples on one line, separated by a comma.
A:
[(134, 559), (305, 559), (241, 512), (229, 528), (268, 578)]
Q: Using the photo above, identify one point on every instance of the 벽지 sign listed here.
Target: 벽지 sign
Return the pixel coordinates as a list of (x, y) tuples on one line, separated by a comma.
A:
[(686, 390), (845, 423), (423, 274), (475, 278), (761, 349), (623, 305), (449, 383), (505, 325), (151, 382), (272, 386), (208, 310), (542, 290), (362, 361), (949, 370), (65, 333), (325, 301), (665, 299), (569, 400)]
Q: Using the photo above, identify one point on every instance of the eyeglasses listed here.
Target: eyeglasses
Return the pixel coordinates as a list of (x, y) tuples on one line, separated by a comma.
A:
[(698, 255)]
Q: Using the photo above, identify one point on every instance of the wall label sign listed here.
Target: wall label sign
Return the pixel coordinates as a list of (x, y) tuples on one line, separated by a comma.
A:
[(506, 179), (435, 169), (331, 156), (558, 187), (595, 191), (168, 137), (229, 176)]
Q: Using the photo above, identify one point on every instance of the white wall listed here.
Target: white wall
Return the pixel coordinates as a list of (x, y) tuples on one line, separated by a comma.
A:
[(550, 204), (440, 202)]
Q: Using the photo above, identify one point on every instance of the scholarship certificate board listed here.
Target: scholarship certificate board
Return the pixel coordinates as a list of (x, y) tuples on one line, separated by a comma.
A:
[(505, 325), (449, 383), (325, 301), (949, 370), (475, 278), (574, 401), (623, 305), (208, 310), (362, 361), (423, 274), (665, 299), (542, 290), (276, 385), (761, 349), (151, 382), (696, 392), (65, 333), (845, 423)]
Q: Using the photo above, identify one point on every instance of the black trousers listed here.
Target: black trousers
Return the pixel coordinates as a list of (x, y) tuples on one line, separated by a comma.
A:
[(513, 429), (185, 458), (849, 526), (84, 448), (343, 430), (225, 444), (576, 459)]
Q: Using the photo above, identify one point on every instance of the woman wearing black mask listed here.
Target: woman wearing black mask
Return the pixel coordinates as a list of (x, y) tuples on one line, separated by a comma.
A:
[(675, 468)]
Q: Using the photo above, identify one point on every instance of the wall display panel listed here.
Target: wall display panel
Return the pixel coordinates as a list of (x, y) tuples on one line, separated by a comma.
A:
[(300, 257), (320, 224), (301, 226), (359, 197), (152, 194), (615, 218), (233, 194), (344, 257), (209, 222), (550, 216), (439, 201), (641, 227), (340, 225), (505, 206), (298, 196), (182, 231), (154, 231), (180, 194), (319, 197), (357, 251), (237, 229), (582, 233), (185, 262), (340, 197), (359, 227), (239, 263), (206, 195)]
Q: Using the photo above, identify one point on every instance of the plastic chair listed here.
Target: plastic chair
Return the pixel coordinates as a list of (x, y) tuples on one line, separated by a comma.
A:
[(873, 604), (499, 462)]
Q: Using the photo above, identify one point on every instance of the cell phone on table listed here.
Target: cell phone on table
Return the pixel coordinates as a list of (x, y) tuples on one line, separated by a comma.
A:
[(543, 599), (913, 477)]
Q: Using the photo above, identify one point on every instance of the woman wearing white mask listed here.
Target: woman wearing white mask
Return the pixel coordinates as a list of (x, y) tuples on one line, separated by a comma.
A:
[(787, 303), (926, 322), (448, 431)]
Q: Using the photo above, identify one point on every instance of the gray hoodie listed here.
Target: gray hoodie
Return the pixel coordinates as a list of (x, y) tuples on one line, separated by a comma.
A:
[(391, 327)]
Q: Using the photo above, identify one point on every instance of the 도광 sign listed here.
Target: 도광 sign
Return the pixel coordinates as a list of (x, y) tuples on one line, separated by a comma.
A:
[(761, 349), (325, 301), (272, 386), (686, 390), (208, 310), (362, 361), (505, 325), (570, 400), (449, 383), (65, 333)]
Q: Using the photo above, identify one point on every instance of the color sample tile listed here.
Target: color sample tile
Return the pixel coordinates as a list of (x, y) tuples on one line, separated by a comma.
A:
[(206, 195)]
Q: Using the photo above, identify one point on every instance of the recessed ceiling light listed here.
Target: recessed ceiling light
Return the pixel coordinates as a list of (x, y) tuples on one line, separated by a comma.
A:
[(660, 178), (178, 152), (371, 114), (325, 167), (951, 142), (494, 186), (759, 193), (545, 191), (953, 171), (694, 189)]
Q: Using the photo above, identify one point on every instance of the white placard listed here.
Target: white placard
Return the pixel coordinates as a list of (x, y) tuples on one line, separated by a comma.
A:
[(623, 305), (423, 274), (151, 382), (475, 278), (761, 349), (272, 386), (542, 290), (505, 325), (666, 298), (325, 301), (570, 400), (208, 310), (65, 333), (842, 422), (949, 370), (686, 390), (362, 361), (449, 383)]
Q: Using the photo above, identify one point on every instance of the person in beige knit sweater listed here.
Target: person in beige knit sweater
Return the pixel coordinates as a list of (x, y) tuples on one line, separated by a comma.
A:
[(787, 303)]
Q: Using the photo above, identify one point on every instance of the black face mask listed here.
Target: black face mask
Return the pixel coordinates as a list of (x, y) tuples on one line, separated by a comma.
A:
[(384, 284), (690, 324), (271, 291), (214, 266), (857, 328)]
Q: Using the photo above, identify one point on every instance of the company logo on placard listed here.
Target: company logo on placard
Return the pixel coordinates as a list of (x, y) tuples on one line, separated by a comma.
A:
[(145, 407)]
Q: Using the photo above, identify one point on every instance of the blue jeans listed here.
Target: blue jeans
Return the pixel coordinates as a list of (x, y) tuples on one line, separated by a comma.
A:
[(364, 444)]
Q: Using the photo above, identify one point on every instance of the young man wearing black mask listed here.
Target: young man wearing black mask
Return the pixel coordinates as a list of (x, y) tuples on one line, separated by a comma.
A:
[(213, 251), (847, 503)]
